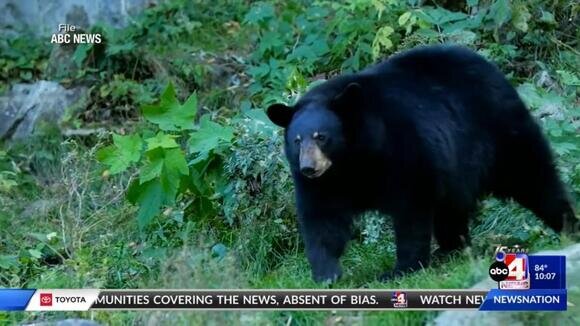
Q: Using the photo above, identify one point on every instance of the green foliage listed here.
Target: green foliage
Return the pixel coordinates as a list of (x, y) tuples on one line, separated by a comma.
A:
[(8, 173), (209, 137), (124, 151), (164, 172), (125, 91), (258, 198), (373, 227), (22, 59), (168, 114), (293, 45)]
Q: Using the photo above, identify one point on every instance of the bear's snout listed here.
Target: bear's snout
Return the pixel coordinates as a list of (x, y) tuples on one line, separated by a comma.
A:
[(313, 162)]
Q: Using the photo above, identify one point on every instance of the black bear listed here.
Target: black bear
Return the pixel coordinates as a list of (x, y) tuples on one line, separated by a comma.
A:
[(421, 137)]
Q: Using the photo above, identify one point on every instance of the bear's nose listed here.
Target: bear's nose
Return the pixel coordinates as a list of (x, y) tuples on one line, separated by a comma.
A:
[(308, 171)]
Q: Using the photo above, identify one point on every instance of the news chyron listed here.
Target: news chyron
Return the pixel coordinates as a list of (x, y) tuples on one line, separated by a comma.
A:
[(524, 283)]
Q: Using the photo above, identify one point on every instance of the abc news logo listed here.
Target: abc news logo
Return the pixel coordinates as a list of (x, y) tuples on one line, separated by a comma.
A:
[(498, 271), (510, 267)]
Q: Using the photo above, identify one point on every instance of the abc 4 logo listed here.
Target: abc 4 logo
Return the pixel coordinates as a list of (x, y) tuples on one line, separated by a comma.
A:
[(513, 267)]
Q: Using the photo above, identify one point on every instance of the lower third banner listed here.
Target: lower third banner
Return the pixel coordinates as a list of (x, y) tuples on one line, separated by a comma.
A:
[(93, 299)]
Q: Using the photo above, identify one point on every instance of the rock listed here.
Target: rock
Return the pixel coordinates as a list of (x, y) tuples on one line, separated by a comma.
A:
[(489, 318), (26, 106), (42, 17), (66, 322)]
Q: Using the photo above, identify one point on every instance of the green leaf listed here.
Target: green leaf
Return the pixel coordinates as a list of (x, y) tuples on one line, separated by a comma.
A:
[(564, 148), (170, 185), (209, 136), (152, 169), (35, 253), (521, 17), (190, 104), (382, 41), (404, 18), (149, 197), (81, 53), (38, 236), (257, 121), (168, 114), (164, 161), (161, 140), (158, 182), (462, 37), (440, 16), (529, 94), (259, 12), (568, 78), (175, 162), (124, 151), (500, 12), (123, 47), (8, 261), (548, 18)]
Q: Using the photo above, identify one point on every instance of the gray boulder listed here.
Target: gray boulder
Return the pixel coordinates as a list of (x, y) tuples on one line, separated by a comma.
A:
[(42, 17), (66, 322), (26, 106)]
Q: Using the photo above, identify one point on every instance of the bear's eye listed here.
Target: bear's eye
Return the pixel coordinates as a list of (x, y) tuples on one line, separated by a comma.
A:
[(318, 136), (297, 140)]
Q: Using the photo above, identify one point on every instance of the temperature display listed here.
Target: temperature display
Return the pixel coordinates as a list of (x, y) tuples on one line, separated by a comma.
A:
[(547, 272)]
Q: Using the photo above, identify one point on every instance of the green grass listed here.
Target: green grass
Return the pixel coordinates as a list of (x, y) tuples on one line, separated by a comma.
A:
[(107, 251)]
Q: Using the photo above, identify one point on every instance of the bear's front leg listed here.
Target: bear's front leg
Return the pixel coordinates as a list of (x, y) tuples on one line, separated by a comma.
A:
[(413, 231), (325, 239)]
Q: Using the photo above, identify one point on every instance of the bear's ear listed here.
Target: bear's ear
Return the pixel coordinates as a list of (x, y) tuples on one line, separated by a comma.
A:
[(280, 114), (350, 95)]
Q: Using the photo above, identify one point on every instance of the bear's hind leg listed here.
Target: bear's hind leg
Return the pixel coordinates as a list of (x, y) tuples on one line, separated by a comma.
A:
[(548, 200), (528, 175)]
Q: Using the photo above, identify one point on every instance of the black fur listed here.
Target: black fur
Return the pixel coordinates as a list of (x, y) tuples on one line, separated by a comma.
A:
[(421, 136)]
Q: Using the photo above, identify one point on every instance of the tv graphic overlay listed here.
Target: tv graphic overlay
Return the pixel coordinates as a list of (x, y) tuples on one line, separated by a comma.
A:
[(380, 299), (511, 268), (526, 282), (71, 34), (399, 299), (364, 299)]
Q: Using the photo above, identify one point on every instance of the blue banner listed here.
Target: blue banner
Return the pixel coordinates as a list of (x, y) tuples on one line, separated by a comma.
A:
[(547, 272), (525, 300), (15, 299)]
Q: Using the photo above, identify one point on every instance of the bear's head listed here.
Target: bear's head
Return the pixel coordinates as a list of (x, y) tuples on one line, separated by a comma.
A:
[(315, 129)]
